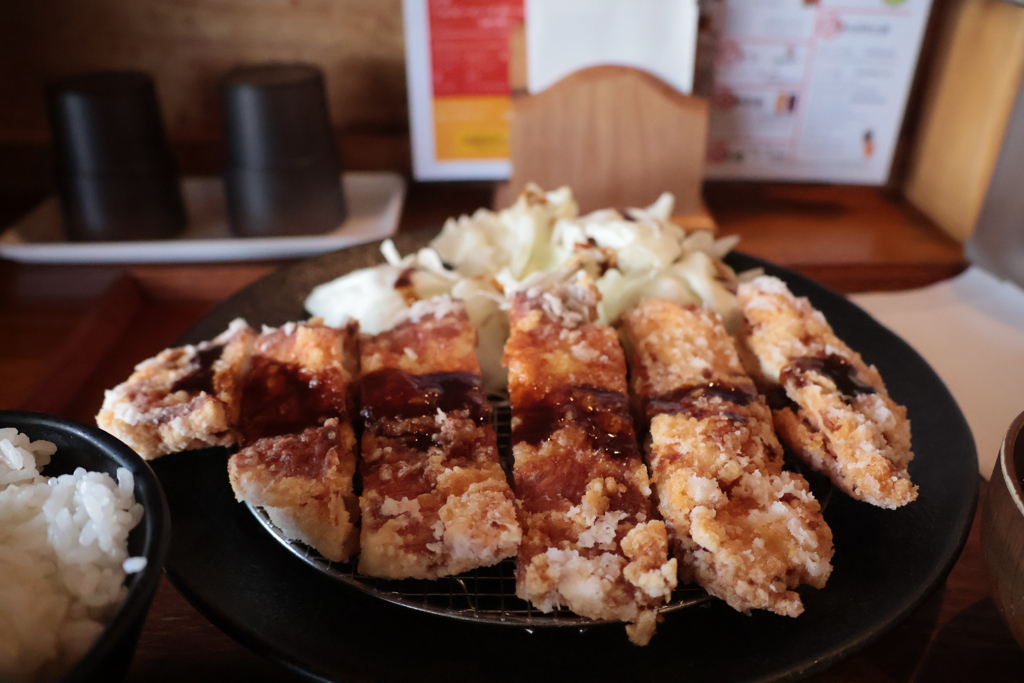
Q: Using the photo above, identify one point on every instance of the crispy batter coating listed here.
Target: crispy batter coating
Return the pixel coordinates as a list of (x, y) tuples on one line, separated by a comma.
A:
[(304, 482), (435, 500), (300, 375), (435, 337), (583, 491), (741, 527), (183, 398), (829, 406)]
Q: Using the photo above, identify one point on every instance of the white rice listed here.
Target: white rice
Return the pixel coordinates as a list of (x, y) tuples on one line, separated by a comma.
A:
[(63, 558)]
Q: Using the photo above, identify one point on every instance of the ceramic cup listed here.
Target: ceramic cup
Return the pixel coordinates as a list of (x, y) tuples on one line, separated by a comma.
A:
[(283, 173), (1002, 530), (116, 176)]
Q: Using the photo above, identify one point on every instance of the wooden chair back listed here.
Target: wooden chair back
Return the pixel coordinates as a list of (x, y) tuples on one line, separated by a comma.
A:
[(617, 135)]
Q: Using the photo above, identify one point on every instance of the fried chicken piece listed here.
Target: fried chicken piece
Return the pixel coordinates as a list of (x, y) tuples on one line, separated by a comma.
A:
[(295, 425), (829, 406), (589, 541), (300, 375), (183, 398), (304, 483), (435, 499), (740, 526)]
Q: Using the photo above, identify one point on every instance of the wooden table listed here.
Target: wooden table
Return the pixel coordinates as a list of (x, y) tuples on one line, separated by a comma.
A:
[(69, 332)]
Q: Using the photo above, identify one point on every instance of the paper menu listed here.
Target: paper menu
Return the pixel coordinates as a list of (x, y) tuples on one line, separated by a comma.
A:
[(809, 90), (457, 73)]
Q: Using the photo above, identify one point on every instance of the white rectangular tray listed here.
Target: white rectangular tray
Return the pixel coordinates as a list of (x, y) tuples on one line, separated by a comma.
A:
[(374, 202)]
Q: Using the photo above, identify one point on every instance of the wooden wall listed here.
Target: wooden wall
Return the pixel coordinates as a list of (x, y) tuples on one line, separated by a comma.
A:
[(188, 44)]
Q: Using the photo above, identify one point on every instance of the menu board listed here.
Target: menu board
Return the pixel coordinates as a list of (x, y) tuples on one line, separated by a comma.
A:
[(457, 54), (809, 90)]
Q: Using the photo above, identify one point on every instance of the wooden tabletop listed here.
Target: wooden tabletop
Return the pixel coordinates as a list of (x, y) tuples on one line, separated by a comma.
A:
[(69, 332)]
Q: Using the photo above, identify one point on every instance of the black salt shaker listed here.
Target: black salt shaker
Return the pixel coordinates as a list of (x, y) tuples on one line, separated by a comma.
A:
[(283, 167), (116, 176)]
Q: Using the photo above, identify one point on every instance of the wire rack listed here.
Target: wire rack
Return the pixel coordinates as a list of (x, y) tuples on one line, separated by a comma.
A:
[(487, 594)]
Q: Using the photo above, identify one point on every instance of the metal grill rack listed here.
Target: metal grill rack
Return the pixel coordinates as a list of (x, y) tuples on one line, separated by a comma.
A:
[(487, 594)]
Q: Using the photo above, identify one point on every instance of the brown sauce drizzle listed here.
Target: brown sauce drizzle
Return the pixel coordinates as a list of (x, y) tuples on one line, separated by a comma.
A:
[(200, 378), (283, 398), (685, 400), (778, 400), (835, 367), (601, 414), (404, 285), (404, 278), (393, 394), (417, 441)]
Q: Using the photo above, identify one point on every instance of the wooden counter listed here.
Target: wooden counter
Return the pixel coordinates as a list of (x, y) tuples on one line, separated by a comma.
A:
[(71, 331)]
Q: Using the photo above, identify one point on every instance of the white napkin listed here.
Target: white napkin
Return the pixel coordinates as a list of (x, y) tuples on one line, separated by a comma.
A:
[(563, 36), (971, 330)]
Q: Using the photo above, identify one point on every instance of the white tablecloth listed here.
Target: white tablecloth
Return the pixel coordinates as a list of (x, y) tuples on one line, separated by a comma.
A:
[(971, 330)]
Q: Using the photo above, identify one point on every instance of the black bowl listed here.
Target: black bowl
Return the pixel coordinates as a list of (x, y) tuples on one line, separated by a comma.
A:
[(97, 451)]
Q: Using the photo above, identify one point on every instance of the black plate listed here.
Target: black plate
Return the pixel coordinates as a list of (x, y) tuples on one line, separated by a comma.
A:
[(886, 562)]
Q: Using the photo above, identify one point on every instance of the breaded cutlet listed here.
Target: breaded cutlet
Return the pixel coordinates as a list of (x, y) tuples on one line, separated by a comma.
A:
[(183, 398), (304, 483), (829, 406), (740, 526), (589, 540), (435, 500), (298, 453)]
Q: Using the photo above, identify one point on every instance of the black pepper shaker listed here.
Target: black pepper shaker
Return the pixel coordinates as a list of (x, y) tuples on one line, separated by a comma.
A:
[(116, 176), (283, 167)]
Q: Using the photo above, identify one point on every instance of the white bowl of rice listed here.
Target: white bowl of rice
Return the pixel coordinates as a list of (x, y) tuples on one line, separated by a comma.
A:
[(84, 530)]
